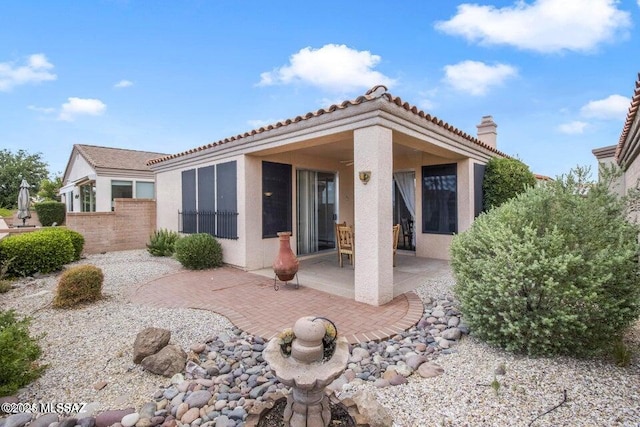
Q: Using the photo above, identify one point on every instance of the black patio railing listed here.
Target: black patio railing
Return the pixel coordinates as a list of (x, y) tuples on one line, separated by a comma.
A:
[(220, 224)]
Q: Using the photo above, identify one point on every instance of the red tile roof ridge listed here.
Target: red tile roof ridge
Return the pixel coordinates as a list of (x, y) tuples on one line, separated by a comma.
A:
[(631, 116), (88, 151), (378, 91)]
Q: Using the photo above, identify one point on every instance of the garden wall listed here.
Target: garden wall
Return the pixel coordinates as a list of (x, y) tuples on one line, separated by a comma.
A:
[(127, 227)]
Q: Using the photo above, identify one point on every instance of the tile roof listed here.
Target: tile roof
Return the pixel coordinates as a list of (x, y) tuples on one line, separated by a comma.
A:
[(116, 158), (376, 92), (622, 151)]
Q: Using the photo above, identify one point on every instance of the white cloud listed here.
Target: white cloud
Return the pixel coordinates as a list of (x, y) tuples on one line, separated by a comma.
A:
[(477, 77), (336, 68), (36, 70), (81, 106), (45, 110), (613, 107), (573, 128), (122, 84), (542, 25)]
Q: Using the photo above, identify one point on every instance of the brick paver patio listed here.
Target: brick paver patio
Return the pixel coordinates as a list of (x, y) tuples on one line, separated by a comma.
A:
[(250, 303)]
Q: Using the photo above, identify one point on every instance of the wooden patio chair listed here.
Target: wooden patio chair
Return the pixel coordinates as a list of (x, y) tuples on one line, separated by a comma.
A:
[(396, 236), (335, 234), (345, 243), (407, 233)]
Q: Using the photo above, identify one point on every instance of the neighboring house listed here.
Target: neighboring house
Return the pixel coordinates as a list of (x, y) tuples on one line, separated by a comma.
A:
[(625, 153), (95, 176), (334, 164)]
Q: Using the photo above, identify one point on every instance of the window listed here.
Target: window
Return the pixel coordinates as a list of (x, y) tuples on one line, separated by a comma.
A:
[(440, 199), (88, 198), (121, 190), (276, 198), (145, 190), (209, 201), (70, 201), (478, 193)]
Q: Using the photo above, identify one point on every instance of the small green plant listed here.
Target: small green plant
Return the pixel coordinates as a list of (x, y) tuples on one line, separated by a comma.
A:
[(198, 251), (621, 353), (162, 242), (495, 385), (5, 286), (5, 213), (18, 353), (40, 251), (77, 285), (50, 212)]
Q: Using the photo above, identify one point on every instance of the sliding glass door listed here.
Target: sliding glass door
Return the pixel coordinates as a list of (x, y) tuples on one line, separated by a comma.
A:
[(316, 210)]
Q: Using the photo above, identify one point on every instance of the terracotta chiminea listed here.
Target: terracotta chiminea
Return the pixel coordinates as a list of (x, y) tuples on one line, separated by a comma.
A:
[(286, 264)]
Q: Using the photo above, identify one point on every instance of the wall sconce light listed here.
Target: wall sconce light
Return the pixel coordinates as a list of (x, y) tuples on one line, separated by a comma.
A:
[(365, 176), (77, 196), (268, 193)]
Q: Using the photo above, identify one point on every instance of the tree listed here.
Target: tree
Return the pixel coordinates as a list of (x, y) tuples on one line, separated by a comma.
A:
[(49, 188), (504, 179), (16, 167)]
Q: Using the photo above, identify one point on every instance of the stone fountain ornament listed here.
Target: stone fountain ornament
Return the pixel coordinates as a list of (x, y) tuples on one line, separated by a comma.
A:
[(308, 370)]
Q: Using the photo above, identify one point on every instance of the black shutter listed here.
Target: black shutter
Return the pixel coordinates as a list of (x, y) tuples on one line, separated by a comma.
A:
[(206, 200), (276, 198), (478, 194), (189, 213), (227, 200)]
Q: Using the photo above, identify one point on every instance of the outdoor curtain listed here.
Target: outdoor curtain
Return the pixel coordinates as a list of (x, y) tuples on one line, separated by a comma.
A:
[(405, 181)]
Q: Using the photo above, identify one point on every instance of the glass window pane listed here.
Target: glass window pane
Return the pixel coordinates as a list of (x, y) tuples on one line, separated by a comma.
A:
[(440, 199), (144, 190)]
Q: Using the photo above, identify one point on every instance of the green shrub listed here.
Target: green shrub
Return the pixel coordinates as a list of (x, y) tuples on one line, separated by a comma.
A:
[(50, 212), (5, 286), (505, 179), (4, 213), (553, 271), (199, 251), (40, 251), (77, 239), (79, 284), (18, 353), (162, 242)]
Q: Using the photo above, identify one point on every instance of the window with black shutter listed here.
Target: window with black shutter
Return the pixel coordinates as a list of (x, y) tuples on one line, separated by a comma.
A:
[(276, 198)]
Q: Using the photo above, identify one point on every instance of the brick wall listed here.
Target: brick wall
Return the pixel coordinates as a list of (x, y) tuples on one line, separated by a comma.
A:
[(127, 227)]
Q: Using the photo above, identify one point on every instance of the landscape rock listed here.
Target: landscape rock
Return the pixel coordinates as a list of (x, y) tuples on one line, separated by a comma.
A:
[(198, 399), (17, 420), (44, 420), (451, 334), (369, 407), (149, 341), (108, 418), (190, 416), (430, 370), (130, 420), (167, 362)]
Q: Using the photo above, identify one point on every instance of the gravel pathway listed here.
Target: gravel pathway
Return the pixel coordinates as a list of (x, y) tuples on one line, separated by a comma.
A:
[(94, 343)]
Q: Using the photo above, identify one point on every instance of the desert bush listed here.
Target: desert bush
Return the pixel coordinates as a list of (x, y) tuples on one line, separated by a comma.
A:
[(79, 284), (504, 179), (5, 286), (18, 353), (40, 251), (77, 239), (50, 212), (162, 242), (198, 251), (552, 271)]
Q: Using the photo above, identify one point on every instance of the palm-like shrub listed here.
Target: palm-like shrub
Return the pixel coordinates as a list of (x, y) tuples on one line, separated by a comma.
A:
[(162, 242), (553, 271), (199, 251)]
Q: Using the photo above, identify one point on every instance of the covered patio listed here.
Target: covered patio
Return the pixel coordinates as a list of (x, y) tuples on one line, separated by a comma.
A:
[(323, 273)]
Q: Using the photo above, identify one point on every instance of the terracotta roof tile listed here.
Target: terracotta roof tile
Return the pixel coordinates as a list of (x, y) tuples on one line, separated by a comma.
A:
[(376, 92), (631, 116), (116, 158)]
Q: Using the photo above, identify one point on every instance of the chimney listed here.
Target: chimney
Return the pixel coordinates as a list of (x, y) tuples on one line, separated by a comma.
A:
[(487, 131)]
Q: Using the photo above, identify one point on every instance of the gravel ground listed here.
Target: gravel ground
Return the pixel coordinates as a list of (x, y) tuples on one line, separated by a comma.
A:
[(94, 343)]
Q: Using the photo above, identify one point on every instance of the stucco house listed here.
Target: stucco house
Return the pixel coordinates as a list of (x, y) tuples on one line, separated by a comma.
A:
[(95, 176), (625, 153), (367, 161)]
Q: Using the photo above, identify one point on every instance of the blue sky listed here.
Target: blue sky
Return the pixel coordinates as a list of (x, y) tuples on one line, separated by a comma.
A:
[(557, 75)]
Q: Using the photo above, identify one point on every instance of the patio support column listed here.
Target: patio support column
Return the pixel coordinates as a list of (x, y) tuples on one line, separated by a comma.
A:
[(373, 211)]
